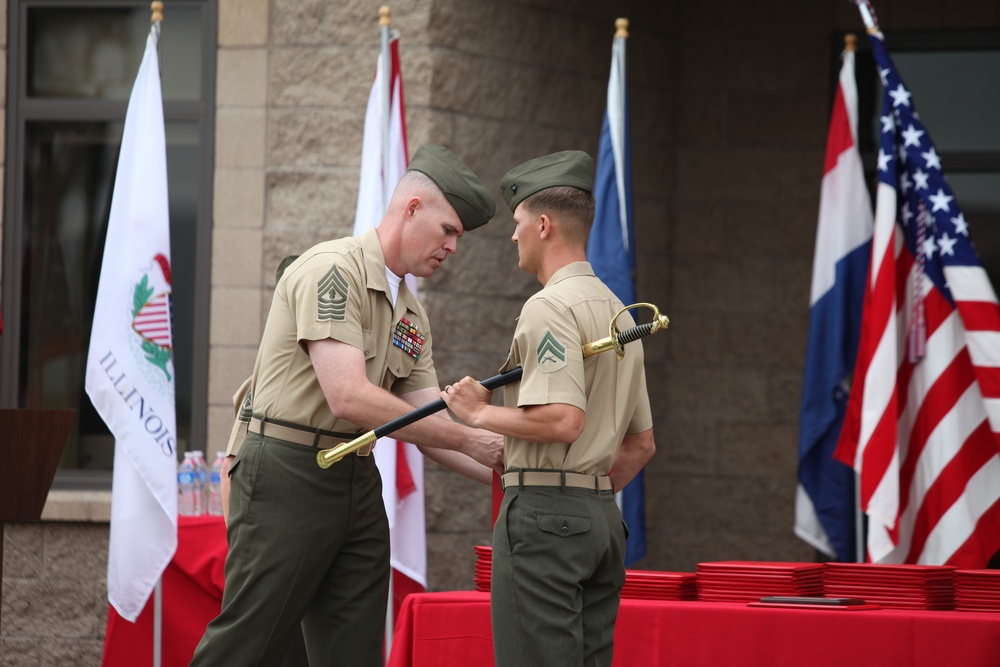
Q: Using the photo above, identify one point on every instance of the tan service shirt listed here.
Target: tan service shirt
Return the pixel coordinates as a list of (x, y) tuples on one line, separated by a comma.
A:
[(338, 290), (243, 409), (572, 309)]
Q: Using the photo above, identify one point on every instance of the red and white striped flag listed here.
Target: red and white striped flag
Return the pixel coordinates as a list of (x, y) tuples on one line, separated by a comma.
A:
[(923, 422), (397, 461)]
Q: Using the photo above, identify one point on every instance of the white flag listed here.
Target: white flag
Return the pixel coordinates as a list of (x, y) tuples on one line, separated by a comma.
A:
[(404, 506), (130, 371)]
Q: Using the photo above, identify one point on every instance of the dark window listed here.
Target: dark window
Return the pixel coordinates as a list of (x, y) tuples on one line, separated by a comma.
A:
[(70, 73)]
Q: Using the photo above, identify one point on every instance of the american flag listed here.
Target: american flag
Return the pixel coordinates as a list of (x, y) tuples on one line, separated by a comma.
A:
[(923, 422)]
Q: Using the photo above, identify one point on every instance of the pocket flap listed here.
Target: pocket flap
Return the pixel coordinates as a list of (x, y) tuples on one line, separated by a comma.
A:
[(562, 525)]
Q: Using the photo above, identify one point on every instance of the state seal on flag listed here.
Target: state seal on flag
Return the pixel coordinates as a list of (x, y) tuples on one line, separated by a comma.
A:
[(151, 315)]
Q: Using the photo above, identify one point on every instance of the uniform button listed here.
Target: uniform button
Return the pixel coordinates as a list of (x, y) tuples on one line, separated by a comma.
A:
[(565, 528)]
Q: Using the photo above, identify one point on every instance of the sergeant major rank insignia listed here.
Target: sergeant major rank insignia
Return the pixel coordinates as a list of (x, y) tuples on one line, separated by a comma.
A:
[(408, 338), (332, 291), (551, 353)]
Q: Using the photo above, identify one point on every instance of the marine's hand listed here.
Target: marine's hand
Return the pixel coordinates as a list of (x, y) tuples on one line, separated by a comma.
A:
[(466, 398), (495, 450)]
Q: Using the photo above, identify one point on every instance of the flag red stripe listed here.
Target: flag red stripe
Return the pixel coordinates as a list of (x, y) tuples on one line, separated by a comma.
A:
[(839, 138), (949, 485), (979, 315), (983, 544), (989, 381)]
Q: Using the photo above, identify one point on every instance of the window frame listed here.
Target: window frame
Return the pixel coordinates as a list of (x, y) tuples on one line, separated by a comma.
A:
[(21, 110)]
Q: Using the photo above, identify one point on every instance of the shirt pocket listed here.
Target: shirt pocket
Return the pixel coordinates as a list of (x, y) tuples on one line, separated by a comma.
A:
[(562, 525), (399, 363)]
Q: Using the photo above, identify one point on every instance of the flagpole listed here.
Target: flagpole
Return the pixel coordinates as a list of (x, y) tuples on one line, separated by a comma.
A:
[(155, 19), (383, 23), (851, 46), (868, 15)]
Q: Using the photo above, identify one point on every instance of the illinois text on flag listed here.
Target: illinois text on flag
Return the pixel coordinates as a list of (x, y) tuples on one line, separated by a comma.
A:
[(923, 422), (130, 372)]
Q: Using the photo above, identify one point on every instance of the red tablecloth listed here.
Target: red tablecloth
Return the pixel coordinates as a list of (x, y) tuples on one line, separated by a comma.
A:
[(453, 629), (192, 596)]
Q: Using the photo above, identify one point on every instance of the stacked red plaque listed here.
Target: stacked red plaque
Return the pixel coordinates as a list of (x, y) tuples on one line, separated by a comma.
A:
[(639, 584), (484, 562), (977, 590), (893, 586), (749, 581), (651, 585)]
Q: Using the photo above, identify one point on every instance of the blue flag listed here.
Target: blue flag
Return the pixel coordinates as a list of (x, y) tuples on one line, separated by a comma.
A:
[(825, 501), (611, 250)]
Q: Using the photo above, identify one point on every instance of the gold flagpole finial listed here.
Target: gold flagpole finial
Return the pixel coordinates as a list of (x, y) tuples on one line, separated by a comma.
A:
[(157, 8), (383, 15), (621, 27), (850, 42)]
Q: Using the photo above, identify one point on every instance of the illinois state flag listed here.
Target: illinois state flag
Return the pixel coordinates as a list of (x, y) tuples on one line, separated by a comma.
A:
[(824, 504), (923, 422), (611, 250), (130, 371), (401, 464)]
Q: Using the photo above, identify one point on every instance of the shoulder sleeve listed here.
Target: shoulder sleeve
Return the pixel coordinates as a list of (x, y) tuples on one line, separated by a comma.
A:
[(549, 344), (642, 417), (326, 301)]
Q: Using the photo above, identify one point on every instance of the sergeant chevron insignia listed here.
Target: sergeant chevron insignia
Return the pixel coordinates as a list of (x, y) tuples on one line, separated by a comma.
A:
[(332, 291), (551, 353)]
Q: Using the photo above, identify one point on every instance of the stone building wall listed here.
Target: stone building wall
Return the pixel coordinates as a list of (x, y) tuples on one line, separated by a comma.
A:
[(730, 101)]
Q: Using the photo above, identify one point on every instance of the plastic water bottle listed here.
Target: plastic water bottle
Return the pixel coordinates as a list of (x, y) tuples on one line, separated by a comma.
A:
[(188, 487), (202, 467), (215, 485)]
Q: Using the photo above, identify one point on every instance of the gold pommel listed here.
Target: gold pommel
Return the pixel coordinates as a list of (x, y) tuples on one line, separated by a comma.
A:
[(328, 457)]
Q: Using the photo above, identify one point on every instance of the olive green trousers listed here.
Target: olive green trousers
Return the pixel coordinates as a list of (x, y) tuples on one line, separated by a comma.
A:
[(306, 546), (558, 567)]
